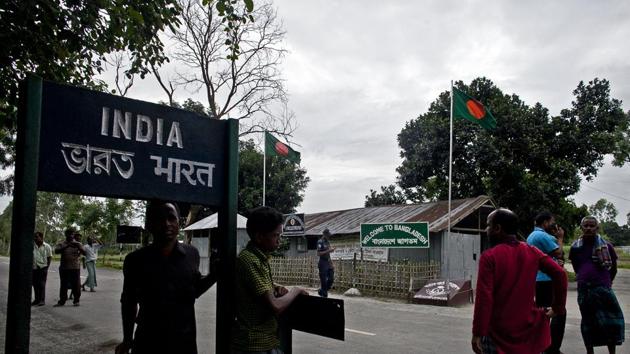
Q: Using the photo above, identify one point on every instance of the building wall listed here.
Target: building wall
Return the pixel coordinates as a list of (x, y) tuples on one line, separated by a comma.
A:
[(203, 245)]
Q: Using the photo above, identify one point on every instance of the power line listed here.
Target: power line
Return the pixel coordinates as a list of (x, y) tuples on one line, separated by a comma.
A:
[(610, 194)]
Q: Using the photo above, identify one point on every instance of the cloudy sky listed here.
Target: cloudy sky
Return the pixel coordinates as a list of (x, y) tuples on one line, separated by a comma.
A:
[(357, 70)]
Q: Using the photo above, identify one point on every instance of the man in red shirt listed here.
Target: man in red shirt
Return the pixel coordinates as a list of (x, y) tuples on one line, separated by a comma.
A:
[(506, 319)]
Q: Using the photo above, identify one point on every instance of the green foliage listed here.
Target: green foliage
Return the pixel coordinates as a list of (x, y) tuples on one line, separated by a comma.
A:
[(529, 163), (604, 211), (92, 216), (389, 195), (234, 17), (66, 41), (286, 181), (617, 235), (5, 229)]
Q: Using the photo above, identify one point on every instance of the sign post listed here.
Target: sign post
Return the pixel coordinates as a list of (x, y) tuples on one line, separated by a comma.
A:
[(395, 235), (23, 220)]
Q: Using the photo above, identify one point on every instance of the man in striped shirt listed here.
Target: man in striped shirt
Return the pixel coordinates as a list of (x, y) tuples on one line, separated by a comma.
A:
[(258, 300)]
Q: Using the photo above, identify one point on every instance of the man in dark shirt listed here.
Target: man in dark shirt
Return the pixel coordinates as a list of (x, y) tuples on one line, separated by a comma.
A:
[(325, 265), (161, 283), (69, 268)]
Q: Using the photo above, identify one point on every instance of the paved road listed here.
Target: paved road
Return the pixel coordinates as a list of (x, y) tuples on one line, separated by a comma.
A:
[(373, 326)]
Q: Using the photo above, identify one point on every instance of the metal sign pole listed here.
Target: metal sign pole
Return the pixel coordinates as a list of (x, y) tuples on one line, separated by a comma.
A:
[(227, 244), (23, 221)]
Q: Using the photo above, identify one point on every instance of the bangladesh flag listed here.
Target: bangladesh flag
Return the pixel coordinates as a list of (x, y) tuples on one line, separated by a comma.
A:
[(469, 108), (275, 147)]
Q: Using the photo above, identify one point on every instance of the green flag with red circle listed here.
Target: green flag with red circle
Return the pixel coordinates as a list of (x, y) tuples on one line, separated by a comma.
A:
[(275, 147), (469, 108)]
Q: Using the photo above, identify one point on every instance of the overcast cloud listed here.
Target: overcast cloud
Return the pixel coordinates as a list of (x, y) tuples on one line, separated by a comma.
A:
[(356, 71)]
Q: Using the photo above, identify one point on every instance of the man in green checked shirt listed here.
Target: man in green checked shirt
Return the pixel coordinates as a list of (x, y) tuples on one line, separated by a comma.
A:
[(258, 300)]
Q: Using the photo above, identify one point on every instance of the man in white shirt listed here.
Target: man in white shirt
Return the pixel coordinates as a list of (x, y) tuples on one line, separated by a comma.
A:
[(42, 255), (91, 254)]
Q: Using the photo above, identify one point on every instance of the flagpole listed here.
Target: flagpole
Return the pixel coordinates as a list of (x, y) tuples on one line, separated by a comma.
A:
[(450, 178), (264, 166)]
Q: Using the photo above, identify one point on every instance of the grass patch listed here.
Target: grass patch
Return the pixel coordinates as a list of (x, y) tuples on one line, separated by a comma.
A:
[(571, 276)]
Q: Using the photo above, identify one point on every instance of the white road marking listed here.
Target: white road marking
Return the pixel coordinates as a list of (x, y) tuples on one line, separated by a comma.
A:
[(360, 332)]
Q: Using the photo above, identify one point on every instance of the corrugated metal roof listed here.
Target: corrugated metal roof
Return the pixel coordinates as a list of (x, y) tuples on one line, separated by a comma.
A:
[(342, 222), (211, 222)]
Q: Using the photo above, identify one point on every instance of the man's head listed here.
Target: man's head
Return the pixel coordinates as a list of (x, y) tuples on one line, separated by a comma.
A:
[(38, 238), (70, 233), (90, 240), (77, 237), (264, 227), (326, 233), (501, 223), (163, 221), (589, 226), (545, 221)]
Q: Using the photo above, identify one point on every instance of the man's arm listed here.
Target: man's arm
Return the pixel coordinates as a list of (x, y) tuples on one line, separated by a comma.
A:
[(128, 307), (558, 282), (483, 302), (280, 304), (60, 247), (48, 256), (326, 251), (204, 283), (613, 258), (79, 246)]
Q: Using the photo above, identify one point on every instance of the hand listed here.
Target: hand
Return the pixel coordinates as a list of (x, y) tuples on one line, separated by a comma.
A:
[(332, 249), (281, 291), (123, 348), (560, 233), (476, 344), (549, 313), (303, 291)]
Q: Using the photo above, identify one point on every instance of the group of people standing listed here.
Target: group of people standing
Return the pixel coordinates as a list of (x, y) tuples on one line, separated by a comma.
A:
[(72, 255), (522, 288), (162, 282)]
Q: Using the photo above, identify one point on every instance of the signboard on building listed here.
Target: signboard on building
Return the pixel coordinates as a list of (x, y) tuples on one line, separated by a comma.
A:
[(293, 225), (93, 143), (395, 235), (348, 252)]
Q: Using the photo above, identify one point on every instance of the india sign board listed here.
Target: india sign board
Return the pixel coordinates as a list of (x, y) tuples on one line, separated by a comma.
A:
[(395, 235), (93, 143)]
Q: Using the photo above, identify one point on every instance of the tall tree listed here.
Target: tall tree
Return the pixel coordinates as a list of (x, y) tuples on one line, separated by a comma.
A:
[(67, 41), (247, 86), (529, 163), (389, 195), (604, 211), (286, 181)]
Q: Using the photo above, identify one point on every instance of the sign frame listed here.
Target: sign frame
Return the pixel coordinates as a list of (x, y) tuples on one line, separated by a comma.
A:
[(297, 225)]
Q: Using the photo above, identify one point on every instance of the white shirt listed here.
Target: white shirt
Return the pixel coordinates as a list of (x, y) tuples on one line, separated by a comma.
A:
[(91, 252), (40, 255)]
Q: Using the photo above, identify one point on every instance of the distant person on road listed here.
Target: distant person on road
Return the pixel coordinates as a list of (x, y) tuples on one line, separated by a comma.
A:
[(161, 283), (91, 255), (69, 267), (506, 319), (42, 256), (595, 263), (258, 300), (548, 238), (325, 264)]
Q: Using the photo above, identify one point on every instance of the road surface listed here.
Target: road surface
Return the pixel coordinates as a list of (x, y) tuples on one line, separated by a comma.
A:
[(372, 325)]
